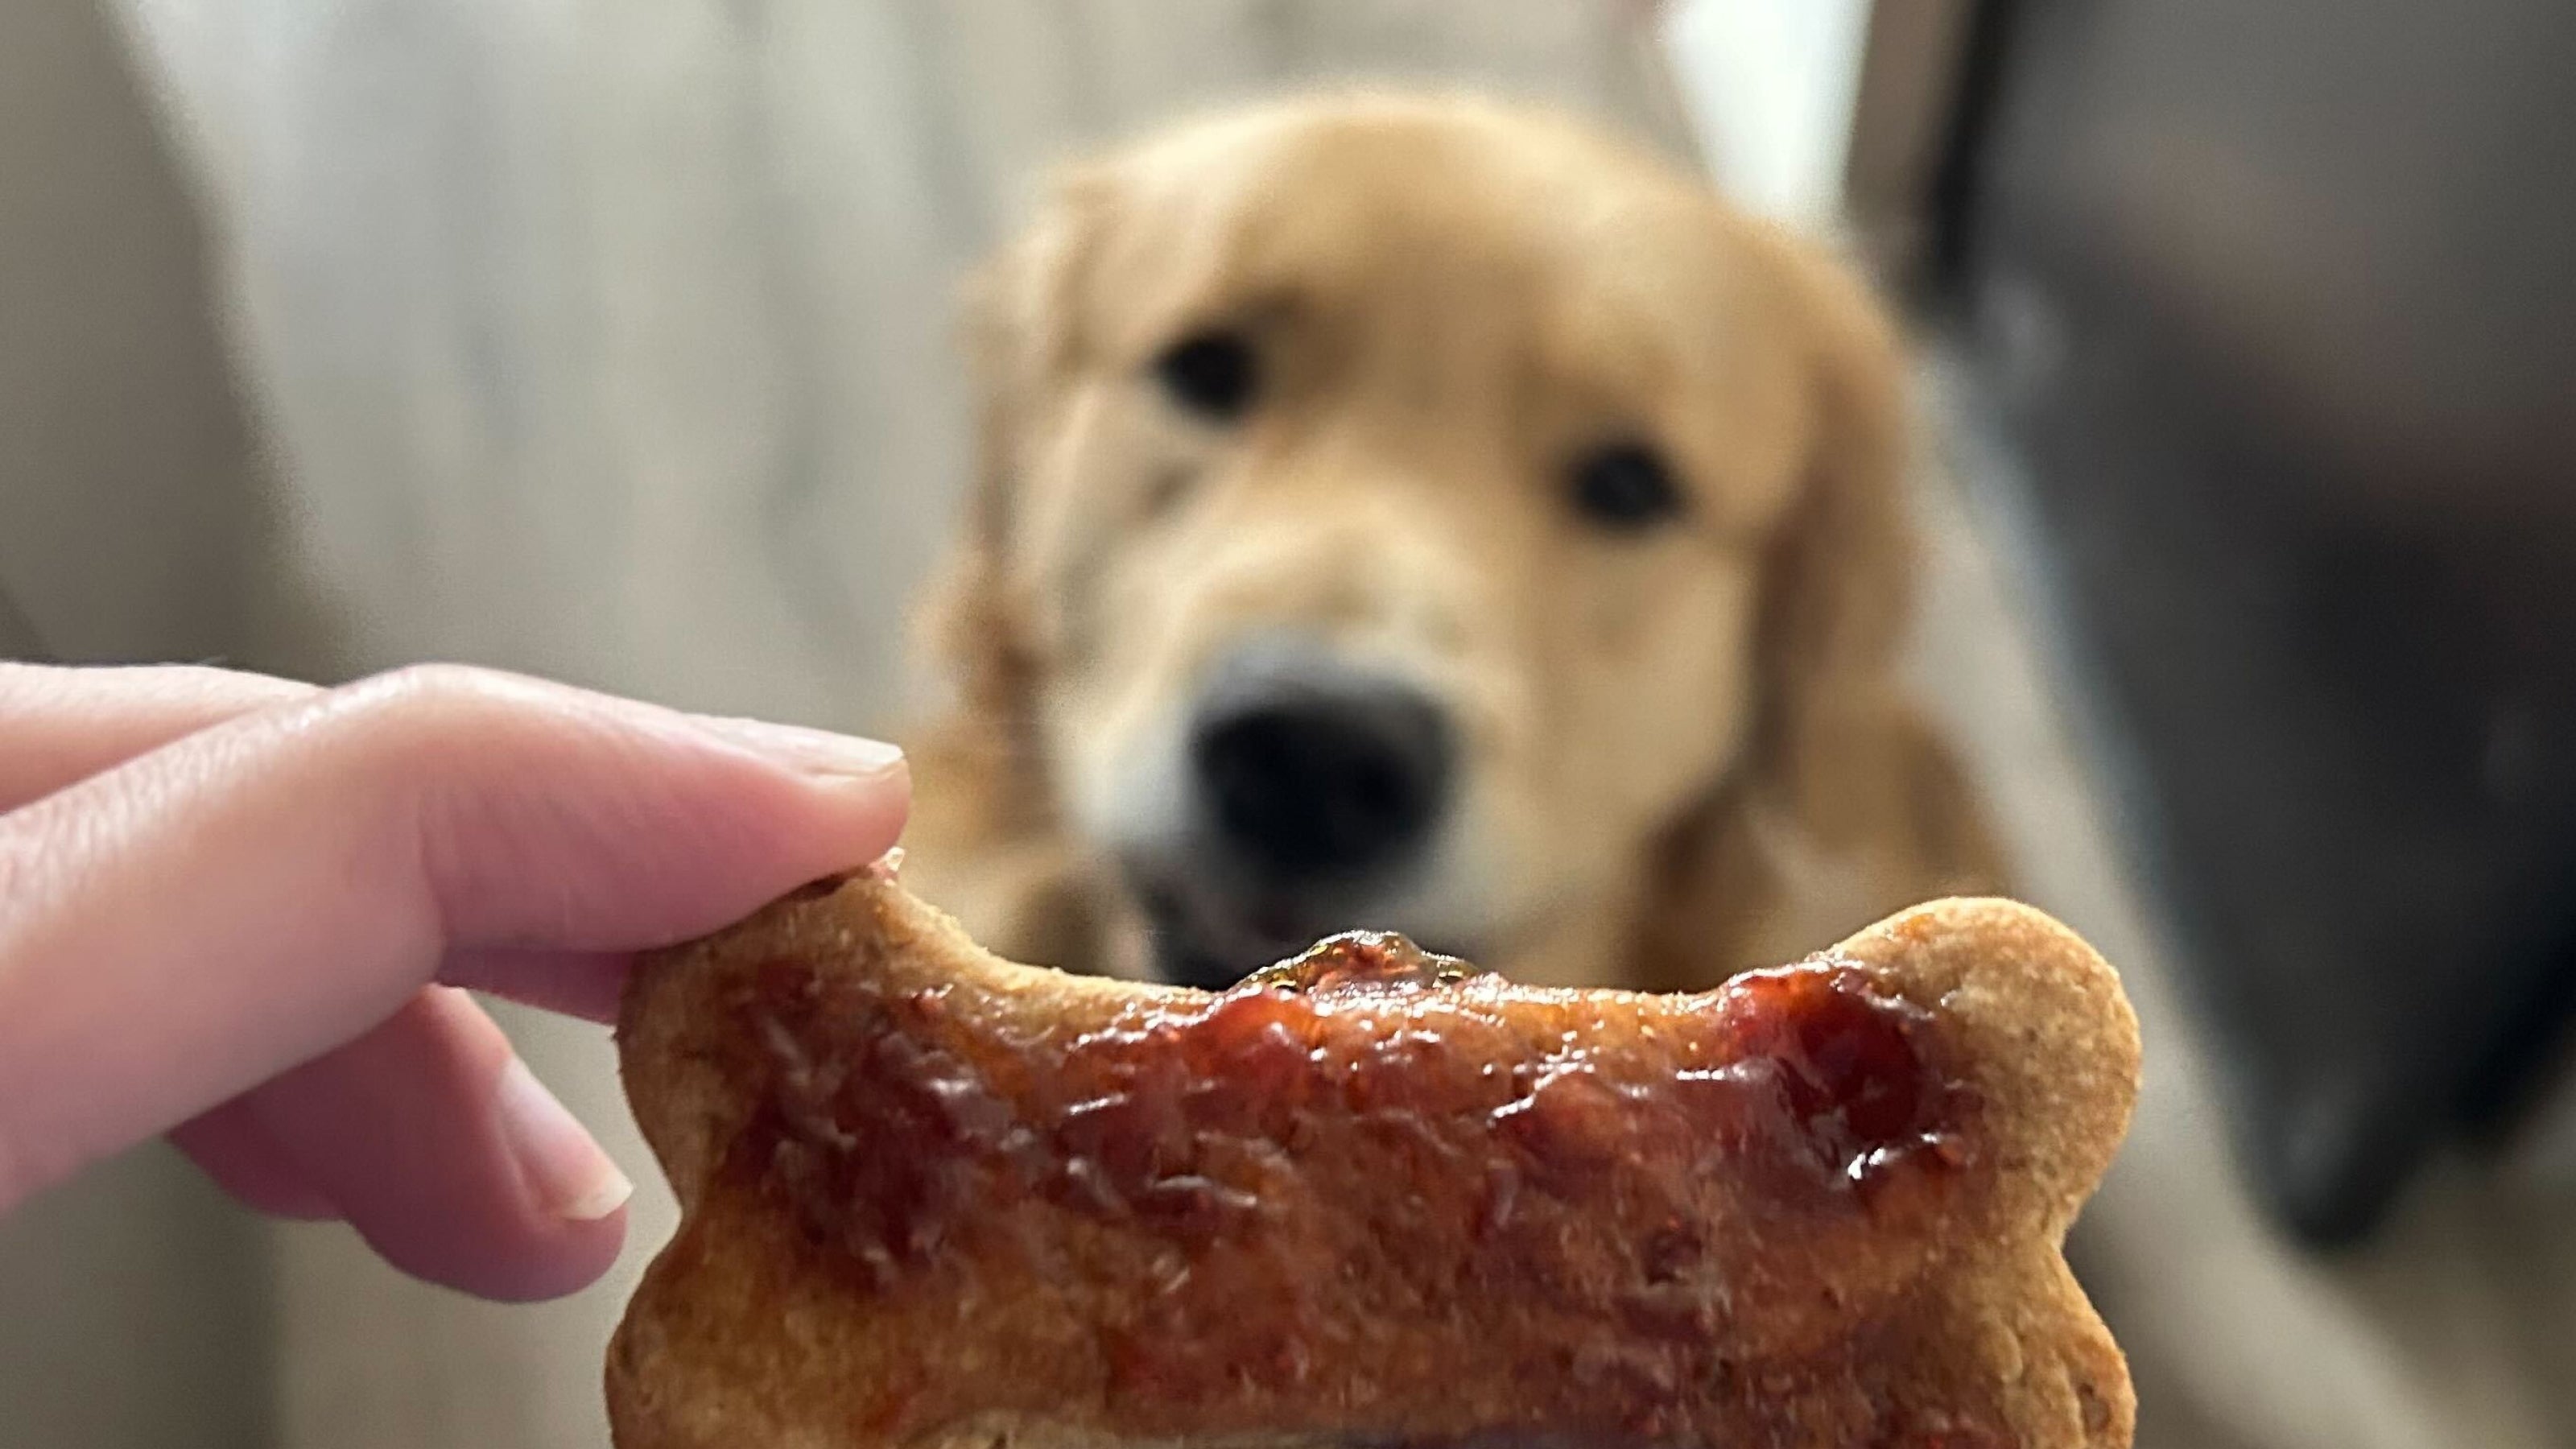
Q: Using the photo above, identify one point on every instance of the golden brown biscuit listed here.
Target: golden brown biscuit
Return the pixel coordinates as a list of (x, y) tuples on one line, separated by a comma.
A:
[(933, 1198)]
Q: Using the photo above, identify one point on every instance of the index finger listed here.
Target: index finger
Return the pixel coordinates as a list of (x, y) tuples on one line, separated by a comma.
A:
[(60, 726), (185, 926)]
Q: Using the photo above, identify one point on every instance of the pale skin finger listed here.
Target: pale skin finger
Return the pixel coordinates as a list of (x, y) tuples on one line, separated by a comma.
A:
[(257, 894), (433, 1107), (58, 727), (61, 726), (237, 1147), (234, 1149)]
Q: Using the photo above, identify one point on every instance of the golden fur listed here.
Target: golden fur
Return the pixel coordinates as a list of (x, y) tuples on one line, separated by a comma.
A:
[(1685, 753)]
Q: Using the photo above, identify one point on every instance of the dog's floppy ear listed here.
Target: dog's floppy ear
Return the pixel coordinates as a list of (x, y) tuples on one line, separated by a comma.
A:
[(983, 836), (1838, 578), (1022, 339), (1846, 804)]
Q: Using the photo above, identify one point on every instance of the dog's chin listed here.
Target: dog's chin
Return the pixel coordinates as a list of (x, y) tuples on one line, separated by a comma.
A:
[(1211, 937), (1212, 940)]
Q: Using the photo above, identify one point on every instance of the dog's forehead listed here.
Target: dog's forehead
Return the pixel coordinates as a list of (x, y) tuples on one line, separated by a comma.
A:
[(1381, 201)]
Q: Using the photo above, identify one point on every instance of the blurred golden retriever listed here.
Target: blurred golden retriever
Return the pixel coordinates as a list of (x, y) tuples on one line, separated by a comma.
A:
[(1428, 515)]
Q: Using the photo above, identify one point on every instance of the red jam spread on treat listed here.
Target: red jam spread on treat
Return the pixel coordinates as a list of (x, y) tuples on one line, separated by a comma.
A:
[(1373, 1114)]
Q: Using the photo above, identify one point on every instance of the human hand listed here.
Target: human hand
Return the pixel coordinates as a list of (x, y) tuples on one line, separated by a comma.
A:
[(243, 912)]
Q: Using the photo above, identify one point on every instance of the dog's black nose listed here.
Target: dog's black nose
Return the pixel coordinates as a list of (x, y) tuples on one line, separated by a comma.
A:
[(1309, 778)]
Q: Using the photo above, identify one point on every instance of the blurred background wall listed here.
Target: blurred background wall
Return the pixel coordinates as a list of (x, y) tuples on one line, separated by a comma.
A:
[(134, 1305)]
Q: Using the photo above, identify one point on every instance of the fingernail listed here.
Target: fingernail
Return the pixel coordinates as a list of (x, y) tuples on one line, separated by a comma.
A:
[(566, 1171), (818, 752)]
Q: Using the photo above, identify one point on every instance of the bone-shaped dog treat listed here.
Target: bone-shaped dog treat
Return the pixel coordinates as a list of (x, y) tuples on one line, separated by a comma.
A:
[(1369, 1197)]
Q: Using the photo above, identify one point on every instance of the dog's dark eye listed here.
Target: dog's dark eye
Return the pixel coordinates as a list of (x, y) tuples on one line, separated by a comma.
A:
[(1626, 487), (1213, 374)]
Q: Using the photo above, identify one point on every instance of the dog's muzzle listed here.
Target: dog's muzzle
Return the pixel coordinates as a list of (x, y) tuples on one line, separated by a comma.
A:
[(1314, 787)]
